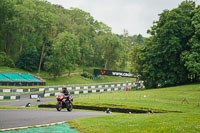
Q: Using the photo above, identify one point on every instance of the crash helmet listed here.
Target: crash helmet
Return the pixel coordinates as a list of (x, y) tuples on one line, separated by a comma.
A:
[(64, 90)]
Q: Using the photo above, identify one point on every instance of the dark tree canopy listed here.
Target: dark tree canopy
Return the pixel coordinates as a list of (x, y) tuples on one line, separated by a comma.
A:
[(38, 23), (168, 55)]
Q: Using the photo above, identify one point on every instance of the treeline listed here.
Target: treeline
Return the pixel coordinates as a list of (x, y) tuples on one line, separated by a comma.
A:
[(36, 35), (171, 55)]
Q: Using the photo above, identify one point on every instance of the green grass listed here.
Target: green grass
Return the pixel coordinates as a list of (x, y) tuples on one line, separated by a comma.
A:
[(77, 79), (7, 100), (165, 99), (67, 80)]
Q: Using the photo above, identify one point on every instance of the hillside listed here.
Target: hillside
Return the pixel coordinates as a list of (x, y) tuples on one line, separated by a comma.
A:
[(66, 80)]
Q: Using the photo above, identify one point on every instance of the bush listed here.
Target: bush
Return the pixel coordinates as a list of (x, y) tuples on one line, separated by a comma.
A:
[(6, 60), (87, 75), (29, 59), (2, 58), (84, 74), (9, 62), (100, 77)]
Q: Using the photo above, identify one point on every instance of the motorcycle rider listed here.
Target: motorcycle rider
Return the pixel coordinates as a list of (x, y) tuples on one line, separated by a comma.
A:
[(65, 92)]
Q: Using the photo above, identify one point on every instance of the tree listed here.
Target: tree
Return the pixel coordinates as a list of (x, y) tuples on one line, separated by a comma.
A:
[(66, 53), (160, 58), (54, 64), (138, 39), (125, 50), (28, 23), (29, 59), (135, 59), (99, 43), (111, 51), (191, 56), (8, 26), (6, 60)]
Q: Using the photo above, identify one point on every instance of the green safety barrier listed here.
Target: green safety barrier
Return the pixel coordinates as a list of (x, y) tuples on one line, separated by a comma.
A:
[(61, 128)]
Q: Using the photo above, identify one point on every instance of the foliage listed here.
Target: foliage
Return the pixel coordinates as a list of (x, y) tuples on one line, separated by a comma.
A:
[(2, 58), (35, 22), (66, 80), (191, 56), (6, 60), (138, 39), (29, 59), (135, 59), (167, 57), (9, 62), (65, 54), (87, 75)]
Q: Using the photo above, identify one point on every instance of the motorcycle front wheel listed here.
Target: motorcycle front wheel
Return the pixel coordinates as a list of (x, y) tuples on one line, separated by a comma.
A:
[(69, 108), (59, 106)]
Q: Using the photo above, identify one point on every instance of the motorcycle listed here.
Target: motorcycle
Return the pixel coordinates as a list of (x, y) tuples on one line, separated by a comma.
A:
[(64, 102)]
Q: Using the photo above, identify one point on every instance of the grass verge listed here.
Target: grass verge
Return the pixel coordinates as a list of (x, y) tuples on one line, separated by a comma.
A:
[(185, 99)]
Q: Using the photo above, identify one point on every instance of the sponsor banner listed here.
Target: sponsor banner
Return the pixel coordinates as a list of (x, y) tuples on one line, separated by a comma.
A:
[(112, 73)]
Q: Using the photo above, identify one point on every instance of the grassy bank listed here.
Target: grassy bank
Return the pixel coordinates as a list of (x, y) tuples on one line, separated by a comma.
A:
[(66, 80), (77, 79), (181, 98)]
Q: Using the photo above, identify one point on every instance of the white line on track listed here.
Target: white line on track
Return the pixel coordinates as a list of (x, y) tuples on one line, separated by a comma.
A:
[(43, 125)]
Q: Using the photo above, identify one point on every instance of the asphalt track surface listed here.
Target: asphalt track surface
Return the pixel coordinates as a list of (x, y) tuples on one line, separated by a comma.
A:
[(23, 102), (24, 99), (14, 118)]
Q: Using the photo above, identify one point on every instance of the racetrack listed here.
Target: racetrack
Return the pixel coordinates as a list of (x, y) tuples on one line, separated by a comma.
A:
[(23, 102), (14, 118)]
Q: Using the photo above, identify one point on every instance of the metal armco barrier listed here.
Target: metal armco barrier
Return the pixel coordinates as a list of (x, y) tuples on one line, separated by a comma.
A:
[(9, 97), (74, 90), (70, 88), (78, 92)]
